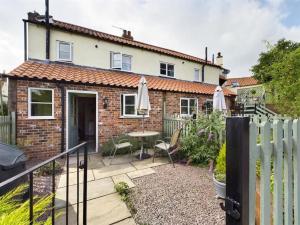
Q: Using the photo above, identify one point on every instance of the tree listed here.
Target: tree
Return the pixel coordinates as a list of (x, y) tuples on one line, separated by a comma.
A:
[(278, 69)]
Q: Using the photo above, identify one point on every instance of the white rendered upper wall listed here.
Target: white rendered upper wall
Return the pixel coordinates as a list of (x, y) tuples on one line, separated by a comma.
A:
[(86, 54)]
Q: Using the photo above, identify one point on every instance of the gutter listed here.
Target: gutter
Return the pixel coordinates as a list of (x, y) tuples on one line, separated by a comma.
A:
[(47, 30), (203, 66), (25, 40)]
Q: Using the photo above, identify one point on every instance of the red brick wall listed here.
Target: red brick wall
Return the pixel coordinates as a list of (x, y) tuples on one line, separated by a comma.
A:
[(173, 101), (38, 138), (41, 139)]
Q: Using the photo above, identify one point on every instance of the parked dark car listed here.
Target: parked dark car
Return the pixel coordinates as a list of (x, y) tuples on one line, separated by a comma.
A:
[(12, 162)]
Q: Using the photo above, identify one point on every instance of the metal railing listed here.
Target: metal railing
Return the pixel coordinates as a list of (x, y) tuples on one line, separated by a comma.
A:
[(79, 165)]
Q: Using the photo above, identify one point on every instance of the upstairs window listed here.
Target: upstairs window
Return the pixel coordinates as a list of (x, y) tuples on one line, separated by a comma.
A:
[(196, 75), (40, 103), (167, 69), (188, 106), (120, 61), (128, 106), (64, 51)]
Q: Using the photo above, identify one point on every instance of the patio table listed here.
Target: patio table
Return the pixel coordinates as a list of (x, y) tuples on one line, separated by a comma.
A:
[(142, 135)]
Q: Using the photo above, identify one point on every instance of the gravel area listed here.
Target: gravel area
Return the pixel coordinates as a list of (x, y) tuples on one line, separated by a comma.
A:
[(183, 195)]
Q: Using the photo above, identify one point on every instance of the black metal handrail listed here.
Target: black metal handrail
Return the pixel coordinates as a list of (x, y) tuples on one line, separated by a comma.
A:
[(29, 172)]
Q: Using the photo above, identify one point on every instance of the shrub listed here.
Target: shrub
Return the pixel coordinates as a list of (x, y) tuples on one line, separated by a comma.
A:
[(47, 169), (123, 189), (15, 211), (220, 170), (202, 143)]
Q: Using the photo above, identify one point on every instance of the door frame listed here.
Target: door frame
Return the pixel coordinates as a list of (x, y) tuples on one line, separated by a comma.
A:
[(67, 113)]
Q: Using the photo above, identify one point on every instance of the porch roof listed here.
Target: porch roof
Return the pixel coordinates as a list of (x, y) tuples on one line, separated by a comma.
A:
[(86, 75)]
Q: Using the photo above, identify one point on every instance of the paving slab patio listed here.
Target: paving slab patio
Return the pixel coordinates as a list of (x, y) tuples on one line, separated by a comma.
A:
[(128, 221), (113, 170), (73, 178), (140, 173), (123, 178), (96, 189), (104, 204), (106, 210), (147, 163)]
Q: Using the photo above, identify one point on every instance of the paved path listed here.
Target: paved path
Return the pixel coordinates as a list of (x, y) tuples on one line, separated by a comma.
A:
[(105, 206)]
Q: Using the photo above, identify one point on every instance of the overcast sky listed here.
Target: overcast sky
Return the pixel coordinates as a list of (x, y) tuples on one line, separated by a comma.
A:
[(237, 28)]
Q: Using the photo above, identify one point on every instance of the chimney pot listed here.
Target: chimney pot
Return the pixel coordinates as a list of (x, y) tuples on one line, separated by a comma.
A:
[(127, 35), (219, 59), (124, 35)]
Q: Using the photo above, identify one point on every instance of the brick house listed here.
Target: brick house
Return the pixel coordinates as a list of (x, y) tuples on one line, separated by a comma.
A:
[(77, 84)]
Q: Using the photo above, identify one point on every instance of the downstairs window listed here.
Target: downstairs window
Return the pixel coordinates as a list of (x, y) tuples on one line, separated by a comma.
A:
[(40, 103)]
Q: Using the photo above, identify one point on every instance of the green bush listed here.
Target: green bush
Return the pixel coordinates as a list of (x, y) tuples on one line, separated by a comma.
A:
[(220, 170), (122, 188), (202, 143), (47, 169), (15, 211)]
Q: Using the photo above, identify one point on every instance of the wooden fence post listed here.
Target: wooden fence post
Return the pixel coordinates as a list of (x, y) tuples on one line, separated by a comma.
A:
[(288, 176), (13, 128), (237, 171), (278, 166), (265, 173), (296, 153)]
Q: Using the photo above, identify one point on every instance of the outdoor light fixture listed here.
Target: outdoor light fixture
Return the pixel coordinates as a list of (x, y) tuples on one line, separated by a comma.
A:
[(105, 102)]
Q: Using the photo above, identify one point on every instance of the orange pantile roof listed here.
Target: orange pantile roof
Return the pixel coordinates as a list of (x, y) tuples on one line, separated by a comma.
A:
[(86, 75), (120, 40), (242, 81)]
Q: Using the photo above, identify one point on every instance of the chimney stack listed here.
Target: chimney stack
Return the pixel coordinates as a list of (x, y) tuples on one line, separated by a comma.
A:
[(219, 59), (127, 34)]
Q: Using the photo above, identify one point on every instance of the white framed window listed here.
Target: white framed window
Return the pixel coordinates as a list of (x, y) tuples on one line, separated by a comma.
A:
[(128, 106), (40, 103), (208, 106), (188, 106), (196, 75), (64, 51), (120, 61), (167, 69)]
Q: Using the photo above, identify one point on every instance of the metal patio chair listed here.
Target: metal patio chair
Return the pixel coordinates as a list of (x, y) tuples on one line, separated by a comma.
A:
[(171, 148), (118, 145)]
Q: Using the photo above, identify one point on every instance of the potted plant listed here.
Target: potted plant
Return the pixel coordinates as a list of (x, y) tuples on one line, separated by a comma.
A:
[(219, 175)]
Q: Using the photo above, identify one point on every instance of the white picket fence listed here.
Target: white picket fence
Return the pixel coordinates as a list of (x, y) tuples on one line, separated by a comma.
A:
[(278, 150), (173, 123)]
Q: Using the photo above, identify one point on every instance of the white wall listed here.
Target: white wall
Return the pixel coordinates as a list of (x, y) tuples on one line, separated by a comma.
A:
[(85, 53)]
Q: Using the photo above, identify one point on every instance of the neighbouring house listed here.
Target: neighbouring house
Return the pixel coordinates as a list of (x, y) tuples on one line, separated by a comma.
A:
[(248, 89), (78, 84)]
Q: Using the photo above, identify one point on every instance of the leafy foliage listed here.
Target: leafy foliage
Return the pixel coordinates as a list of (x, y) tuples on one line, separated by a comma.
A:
[(279, 70), (47, 169), (15, 211), (123, 189), (220, 170), (203, 140)]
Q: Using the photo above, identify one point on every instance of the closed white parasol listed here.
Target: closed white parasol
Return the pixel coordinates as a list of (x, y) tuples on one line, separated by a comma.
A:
[(219, 103), (143, 103)]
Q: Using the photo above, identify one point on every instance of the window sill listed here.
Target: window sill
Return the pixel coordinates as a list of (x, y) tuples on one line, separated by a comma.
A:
[(117, 69), (165, 76), (41, 118), (134, 117), (64, 60)]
